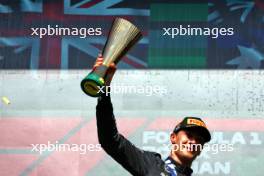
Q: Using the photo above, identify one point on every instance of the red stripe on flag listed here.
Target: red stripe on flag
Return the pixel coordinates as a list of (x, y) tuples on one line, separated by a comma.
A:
[(50, 53), (54, 53), (90, 4)]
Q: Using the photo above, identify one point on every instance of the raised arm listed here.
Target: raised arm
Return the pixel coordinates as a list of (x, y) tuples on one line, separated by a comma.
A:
[(136, 161), (115, 144)]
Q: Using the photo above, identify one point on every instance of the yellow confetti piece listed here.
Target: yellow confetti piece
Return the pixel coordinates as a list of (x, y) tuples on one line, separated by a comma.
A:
[(6, 100), (101, 80)]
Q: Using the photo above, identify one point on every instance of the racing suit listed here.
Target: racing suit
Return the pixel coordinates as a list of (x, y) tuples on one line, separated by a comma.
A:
[(137, 162)]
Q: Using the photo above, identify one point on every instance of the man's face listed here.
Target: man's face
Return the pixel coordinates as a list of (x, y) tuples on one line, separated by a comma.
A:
[(187, 144)]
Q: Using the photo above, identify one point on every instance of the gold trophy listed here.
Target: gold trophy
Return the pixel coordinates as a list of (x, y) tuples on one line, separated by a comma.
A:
[(123, 35)]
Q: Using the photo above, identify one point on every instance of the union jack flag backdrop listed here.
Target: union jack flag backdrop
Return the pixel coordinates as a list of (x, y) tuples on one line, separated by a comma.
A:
[(20, 50)]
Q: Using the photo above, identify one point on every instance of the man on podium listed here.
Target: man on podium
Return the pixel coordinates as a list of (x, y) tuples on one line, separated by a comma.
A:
[(187, 139)]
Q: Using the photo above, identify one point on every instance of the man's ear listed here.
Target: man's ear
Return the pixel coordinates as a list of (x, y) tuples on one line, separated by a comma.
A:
[(173, 138)]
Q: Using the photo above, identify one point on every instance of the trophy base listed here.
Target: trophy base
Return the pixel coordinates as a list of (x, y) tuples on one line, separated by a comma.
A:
[(91, 84)]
